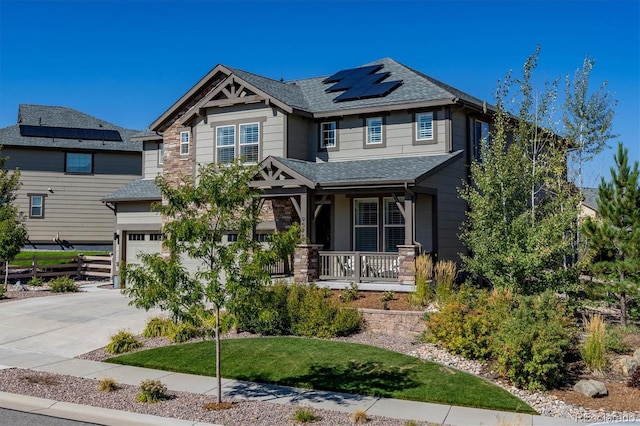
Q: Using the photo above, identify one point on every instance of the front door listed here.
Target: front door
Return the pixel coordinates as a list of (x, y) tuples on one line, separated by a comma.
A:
[(323, 227)]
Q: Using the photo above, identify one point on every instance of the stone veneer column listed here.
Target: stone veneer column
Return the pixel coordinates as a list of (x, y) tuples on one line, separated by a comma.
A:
[(407, 264), (306, 263)]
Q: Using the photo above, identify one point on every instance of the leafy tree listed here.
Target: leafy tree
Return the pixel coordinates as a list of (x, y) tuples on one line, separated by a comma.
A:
[(522, 210), (613, 237), (198, 213), (13, 234), (587, 119)]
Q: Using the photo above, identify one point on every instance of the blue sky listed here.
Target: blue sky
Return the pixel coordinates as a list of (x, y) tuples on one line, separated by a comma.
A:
[(127, 61)]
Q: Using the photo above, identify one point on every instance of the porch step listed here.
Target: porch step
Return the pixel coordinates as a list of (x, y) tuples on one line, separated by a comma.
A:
[(375, 286)]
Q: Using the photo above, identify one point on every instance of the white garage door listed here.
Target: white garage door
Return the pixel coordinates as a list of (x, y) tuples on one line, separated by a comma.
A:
[(142, 243)]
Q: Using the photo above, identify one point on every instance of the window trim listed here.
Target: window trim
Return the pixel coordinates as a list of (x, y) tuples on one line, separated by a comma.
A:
[(31, 197), (66, 163), (322, 146), (383, 139), (184, 143), (434, 128), (160, 150)]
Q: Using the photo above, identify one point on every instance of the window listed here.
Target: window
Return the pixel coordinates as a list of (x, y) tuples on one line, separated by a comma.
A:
[(135, 237), (78, 162), (232, 238), (424, 126), (225, 144), (328, 135), (262, 237), (249, 142), (36, 206), (366, 224), (374, 130), (161, 153), (393, 226), (480, 138), (155, 237), (184, 143)]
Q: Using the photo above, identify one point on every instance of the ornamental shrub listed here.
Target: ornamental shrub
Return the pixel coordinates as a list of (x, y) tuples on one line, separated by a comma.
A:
[(152, 391), (158, 327), (183, 331), (593, 350), (530, 344), (121, 342), (63, 284)]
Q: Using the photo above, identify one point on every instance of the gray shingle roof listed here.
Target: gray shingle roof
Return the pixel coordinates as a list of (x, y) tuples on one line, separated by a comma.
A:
[(384, 170), (590, 198), (139, 189), (56, 116), (309, 94)]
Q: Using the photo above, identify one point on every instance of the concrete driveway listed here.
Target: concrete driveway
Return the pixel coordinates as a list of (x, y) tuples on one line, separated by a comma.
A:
[(67, 325)]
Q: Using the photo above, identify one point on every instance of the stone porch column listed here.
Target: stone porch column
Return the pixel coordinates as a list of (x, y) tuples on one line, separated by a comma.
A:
[(407, 264), (306, 263)]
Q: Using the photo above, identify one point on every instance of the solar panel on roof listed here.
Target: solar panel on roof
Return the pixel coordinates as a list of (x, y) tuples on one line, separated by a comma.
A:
[(352, 72), (70, 133), (353, 81), (380, 89)]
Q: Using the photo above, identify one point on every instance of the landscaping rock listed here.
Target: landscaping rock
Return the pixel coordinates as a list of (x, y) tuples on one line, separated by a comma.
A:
[(625, 365), (591, 388), (636, 355)]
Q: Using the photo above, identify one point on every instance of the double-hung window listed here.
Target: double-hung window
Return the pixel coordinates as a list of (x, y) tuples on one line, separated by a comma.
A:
[(225, 144), (366, 224), (374, 130), (184, 143), (249, 142), (78, 162), (424, 126), (393, 226), (328, 135), (36, 206)]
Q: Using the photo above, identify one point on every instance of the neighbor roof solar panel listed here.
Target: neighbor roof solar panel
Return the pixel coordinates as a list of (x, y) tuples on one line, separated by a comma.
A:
[(353, 81), (70, 133)]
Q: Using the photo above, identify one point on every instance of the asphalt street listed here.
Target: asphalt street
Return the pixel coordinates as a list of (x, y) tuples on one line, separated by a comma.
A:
[(19, 418)]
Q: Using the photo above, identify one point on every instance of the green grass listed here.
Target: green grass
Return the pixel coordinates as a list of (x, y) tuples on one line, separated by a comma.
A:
[(24, 258), (327, 365)]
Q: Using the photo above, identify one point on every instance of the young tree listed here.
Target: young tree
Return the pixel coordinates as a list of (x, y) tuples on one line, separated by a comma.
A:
[(613, 237), (521, 210), (13, 234), (198, 214)]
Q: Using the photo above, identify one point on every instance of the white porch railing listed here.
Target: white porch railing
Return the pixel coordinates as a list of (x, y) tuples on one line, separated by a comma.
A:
[(358, 266)]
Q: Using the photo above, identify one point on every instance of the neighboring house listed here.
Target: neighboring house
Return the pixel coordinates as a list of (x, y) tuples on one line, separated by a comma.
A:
[(368, 160), (68, 161), (590, 202)]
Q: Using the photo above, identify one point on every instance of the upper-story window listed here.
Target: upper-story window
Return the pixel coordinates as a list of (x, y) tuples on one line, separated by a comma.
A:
[(78, 162), (424, 126), (160, 153), (374, 130), (225, 144), (480, 138), (249, 142), (328, 135), (184, 143)]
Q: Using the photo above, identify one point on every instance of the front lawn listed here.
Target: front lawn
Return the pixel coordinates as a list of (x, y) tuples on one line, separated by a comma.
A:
[(334, 366), (24, 258)]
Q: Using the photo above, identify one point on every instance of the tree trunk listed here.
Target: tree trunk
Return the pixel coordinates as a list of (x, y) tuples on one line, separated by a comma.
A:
[(218, 378), (623, 309)]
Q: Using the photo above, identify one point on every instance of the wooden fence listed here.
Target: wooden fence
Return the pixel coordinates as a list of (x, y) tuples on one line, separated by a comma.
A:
[(80, 266)]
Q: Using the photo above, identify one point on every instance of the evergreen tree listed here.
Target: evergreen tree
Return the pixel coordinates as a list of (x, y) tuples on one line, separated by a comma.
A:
[(613, 237), (522, 211), (13, 234)]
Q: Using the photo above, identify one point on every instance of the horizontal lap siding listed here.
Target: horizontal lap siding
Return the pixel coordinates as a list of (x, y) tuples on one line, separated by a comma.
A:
[(298, 137), (150, 157), (73, 210)]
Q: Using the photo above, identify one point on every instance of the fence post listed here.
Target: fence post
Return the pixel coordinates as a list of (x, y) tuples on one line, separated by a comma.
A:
[(34, 267), (79, 268)]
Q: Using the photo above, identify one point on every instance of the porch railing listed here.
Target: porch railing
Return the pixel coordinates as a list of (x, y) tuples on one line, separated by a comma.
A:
[(358, 266)]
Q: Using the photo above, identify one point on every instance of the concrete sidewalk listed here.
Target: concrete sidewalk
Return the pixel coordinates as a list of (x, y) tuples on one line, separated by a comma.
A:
[(46, 334)]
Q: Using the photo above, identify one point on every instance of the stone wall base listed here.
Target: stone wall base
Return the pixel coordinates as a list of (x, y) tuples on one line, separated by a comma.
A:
[(407, 324)]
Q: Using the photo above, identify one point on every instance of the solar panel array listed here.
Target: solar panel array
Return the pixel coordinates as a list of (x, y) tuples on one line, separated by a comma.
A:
[(361, 83), (70, 133)]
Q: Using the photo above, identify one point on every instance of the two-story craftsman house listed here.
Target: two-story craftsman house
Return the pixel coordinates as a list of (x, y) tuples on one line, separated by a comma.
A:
[(368, 160)]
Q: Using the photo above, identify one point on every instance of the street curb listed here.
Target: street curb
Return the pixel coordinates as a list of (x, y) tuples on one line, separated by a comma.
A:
[(85, 413)]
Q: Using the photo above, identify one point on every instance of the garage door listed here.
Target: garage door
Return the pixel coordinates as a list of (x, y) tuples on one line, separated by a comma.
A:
[(142, 243)]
